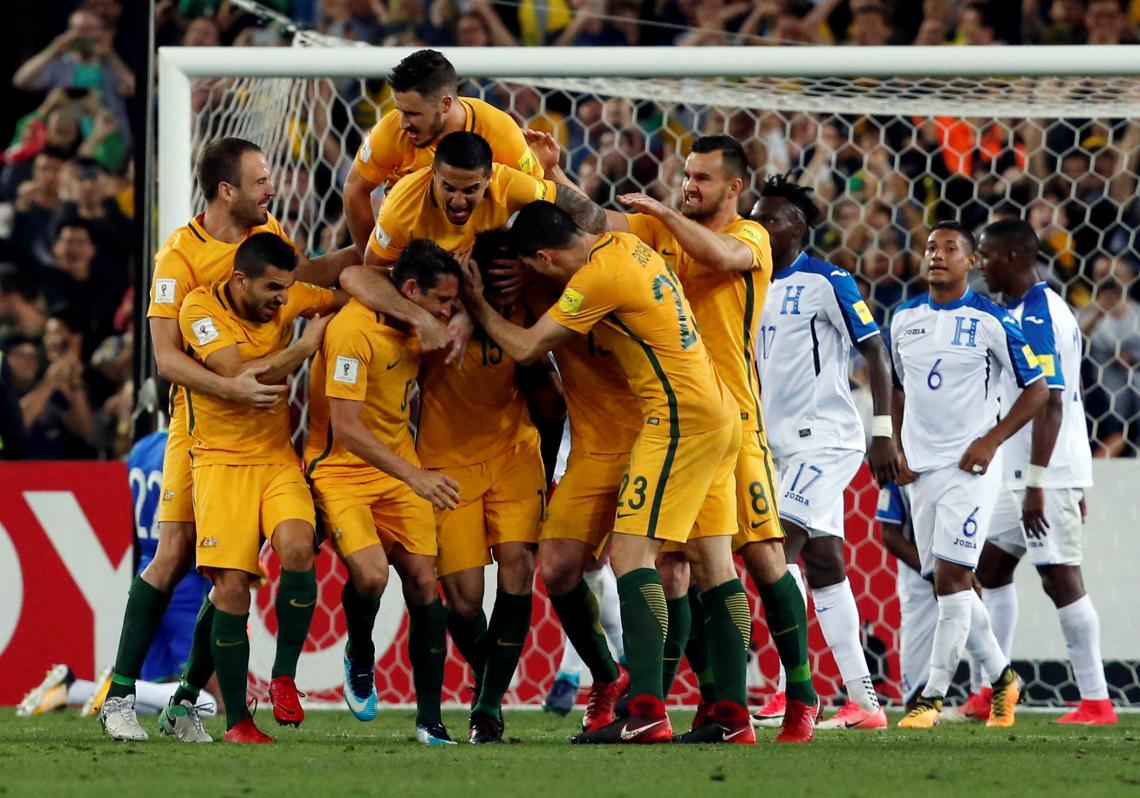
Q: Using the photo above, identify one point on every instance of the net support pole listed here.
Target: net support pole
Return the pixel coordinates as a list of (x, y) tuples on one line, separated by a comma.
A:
[(175, 136)]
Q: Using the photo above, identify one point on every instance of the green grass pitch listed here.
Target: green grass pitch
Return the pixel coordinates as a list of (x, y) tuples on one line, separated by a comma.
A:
[(335, 755)]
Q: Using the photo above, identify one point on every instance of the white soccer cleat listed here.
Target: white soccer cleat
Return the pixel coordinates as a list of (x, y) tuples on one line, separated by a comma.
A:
[(183, 722), (49, 694), (120, 721)]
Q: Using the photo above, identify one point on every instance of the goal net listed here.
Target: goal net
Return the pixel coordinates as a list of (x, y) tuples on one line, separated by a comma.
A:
[(887, 157)]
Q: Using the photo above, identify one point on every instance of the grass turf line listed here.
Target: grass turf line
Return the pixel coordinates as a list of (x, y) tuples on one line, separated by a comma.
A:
[(61, 754)]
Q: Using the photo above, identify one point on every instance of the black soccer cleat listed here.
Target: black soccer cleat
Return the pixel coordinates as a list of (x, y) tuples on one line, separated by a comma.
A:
[(485, 729)]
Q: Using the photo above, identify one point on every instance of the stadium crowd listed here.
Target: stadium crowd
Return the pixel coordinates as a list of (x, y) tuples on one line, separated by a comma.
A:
[(68, 272)]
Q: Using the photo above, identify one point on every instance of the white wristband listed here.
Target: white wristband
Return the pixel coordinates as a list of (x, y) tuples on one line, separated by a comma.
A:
[(882, 427), (1034, 476)]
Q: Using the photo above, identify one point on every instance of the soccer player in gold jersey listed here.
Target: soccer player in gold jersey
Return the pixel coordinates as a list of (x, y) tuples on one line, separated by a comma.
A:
[(427, 108), (678, 484)]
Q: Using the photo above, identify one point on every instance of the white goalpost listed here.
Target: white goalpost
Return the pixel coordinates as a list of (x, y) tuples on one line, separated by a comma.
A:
[(891, 138)]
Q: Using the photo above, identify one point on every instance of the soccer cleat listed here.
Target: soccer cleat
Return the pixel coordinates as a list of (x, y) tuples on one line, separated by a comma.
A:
[(560, 699), (798, 725), (975, 709), (433, 734), (360, 689), (120, 721), (601, 701), (93, 704), (702, 715), (1007, 693), (286, 700), (183, 722), (927, 714), (48, 695), (771, 715), (726, 722), (246, 731), (646, 723), (484, 729), (1091, 713), (853, 716)]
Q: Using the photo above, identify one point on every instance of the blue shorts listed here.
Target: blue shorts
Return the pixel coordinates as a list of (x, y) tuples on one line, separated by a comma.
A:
[(170, 649)]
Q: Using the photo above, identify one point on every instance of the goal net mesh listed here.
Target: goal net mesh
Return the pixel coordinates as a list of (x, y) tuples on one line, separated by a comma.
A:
[(886, 157)]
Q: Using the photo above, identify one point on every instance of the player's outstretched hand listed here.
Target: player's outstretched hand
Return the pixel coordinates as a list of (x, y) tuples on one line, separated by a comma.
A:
[(643, 203), (314, 332), (438, 488), (245, 389), (509, 277), (431, 331), (545, 149), (904, 476), (978, 456), (884, 457), (1033, 513)]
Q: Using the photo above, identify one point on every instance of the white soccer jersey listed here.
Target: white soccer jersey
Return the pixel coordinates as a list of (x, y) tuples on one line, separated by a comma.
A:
[(812, 317), (948, 358), (1052, 333)]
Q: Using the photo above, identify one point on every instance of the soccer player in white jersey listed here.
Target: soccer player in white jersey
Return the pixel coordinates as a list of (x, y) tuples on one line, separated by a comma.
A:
[(918, 609), (1047, 466), (813, 316), (950, 346)]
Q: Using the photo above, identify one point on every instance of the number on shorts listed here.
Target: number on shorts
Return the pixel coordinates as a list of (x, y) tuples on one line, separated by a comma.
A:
[(970, 526), (934, 378), (639, 486), (799, 472), (760, 504)]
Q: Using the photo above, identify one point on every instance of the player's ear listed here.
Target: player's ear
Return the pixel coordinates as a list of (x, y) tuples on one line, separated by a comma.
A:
[(410, 287), (445, 102)]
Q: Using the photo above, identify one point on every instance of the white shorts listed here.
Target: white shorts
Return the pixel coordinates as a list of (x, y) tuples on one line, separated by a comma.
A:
[(918, 611), (812, 486), (950, 512), (1063, 543)]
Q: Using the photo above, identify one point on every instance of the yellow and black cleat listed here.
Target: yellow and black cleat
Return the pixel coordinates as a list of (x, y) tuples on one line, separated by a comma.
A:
[(1008, 692), (927, 714)]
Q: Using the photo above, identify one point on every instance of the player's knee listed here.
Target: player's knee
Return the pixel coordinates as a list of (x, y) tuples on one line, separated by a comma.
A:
[(1063, 585), (824, 563), (371, 582), (559, 574), (294, 547), (675, 574), (231, 591), (419, 587), (516, 568)]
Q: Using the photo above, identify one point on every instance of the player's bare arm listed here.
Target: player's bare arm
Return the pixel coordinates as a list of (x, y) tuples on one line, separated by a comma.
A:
[(374, 290), (883, 451), (1046, 428), (277, 367), (586, 215), (358, 209), (904, 476), (175, 366), (524, 344), (549, 156), (326, 269), (719, 251), (896, 543), (979, 453), (349, 431)]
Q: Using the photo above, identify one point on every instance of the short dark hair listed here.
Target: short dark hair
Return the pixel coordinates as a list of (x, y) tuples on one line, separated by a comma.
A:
[(426, 72), (78, 223), (262, 250), (492, 245), (1016, 234), (464, 150), (72, 317), (955, 227), (732, 154), (782, 187), (542, 225), (424, 261), (220, 162)]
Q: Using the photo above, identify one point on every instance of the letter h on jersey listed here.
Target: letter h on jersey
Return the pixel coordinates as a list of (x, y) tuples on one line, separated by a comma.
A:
[(962, 329), (791, 303)]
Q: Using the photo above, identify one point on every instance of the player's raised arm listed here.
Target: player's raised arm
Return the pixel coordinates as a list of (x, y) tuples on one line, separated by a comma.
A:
[(582, 210), (721, 251), (374, 290), (358, 208), (524, 344), (326, 269)]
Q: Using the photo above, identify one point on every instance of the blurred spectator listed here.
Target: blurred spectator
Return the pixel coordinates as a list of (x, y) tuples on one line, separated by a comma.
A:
[(590, 27), (1111, 323), (37, 200), (11, 418), (21, 312)]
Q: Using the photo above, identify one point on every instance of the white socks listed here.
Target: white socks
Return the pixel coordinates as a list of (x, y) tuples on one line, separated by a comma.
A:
[(839, 621), (1001, 605), (949, 639), (981, 642), (79, 691), (797, 575), (1081, 627), (604, 585)]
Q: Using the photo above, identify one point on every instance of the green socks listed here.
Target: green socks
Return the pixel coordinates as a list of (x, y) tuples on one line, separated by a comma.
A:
[(296, 600), (506, 635), (427, 650), (200, 663), (728, 624), (697, 651), (359, 618), (468, 634), (645, 621), (676, 636), (230, 642), (787, 623), (146, 605), (581, 621)]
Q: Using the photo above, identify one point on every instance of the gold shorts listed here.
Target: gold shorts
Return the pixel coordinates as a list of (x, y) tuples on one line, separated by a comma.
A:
[(357, 513), (756, 494), (676, 489), (583, 504), (236, 506), (176, 502), (502, 500)]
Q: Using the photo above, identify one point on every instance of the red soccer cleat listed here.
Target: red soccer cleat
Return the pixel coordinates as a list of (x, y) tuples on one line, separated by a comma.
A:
[(975, 709), (728, 722), (799, 722), (702, 716), (600, 703), (647, 723), (286, 700), (771, 715), (246, 731), (1091, 713), (853, 716)]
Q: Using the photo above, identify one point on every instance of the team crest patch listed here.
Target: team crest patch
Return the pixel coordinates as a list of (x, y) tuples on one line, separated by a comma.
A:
[(164, 290), (571, 302), (346, 369), (382, 238), (208, 543), (863, 312), (168, 496), (366, 150), (205, 331)]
